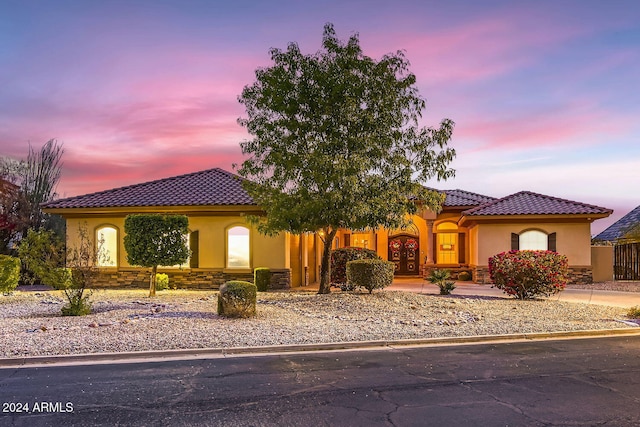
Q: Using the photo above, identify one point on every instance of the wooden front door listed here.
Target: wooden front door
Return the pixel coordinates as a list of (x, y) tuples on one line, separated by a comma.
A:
[(404, 252)]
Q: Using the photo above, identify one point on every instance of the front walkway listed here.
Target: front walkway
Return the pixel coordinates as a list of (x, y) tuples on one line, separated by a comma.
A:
[(585, 296)]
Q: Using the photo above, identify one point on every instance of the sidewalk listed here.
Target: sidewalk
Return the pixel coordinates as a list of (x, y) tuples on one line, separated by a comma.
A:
[(584, 296)]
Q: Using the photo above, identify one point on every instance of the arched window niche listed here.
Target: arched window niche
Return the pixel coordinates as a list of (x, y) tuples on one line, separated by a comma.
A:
[(107, 246), (238, 247)]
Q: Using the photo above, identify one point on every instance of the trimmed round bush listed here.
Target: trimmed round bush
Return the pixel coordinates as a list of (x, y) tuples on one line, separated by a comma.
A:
[(340, 258), (262, 278), (237, 299), (464, 276), (9, 273), (529, 274), (370, 273)]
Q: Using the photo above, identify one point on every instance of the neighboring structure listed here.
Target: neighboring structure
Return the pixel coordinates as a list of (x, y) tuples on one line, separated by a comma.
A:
[(617, 230), (469, 229)]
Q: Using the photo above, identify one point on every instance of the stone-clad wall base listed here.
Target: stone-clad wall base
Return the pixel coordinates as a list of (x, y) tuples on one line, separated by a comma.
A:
[(185, 279), (577, 275)]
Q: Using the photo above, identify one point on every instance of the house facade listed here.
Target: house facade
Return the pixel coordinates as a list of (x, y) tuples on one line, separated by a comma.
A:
[(462, 236)]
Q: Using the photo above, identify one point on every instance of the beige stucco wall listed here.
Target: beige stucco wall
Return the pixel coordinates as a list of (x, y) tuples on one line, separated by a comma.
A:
[(602, 263), (572, 240), (272, 252)]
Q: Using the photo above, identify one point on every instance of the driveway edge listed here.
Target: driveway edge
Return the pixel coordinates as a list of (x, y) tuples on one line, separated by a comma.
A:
[(161, 355)]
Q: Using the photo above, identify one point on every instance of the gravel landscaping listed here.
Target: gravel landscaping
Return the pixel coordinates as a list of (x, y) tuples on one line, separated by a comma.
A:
[(127, 320)]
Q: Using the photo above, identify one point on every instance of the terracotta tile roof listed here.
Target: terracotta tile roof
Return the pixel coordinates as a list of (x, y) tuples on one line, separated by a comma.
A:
[(465, 198), (211, 187), (620, 227), (528, 203)]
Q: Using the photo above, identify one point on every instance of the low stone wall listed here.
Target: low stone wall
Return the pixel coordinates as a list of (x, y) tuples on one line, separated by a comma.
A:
[(185, 279), (578, 275)]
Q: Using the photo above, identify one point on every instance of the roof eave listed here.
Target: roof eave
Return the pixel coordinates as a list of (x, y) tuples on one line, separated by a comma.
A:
[(466, 220), (120, 210)]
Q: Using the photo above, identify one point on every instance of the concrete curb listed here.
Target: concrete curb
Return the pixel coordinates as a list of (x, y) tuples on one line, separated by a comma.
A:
[(213, 353)]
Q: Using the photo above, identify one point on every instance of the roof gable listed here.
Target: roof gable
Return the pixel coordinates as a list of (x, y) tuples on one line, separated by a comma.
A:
[(212, 187), (619, 228), (529, 203)]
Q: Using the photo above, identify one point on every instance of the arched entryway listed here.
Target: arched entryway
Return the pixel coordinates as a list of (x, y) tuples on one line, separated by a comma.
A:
[(404, 252)]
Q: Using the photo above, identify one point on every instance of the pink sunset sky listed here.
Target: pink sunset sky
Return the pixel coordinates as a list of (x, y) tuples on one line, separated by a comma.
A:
[(545, 94)]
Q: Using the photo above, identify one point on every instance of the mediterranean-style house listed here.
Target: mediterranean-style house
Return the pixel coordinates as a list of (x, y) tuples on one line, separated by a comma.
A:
[(468, 230)]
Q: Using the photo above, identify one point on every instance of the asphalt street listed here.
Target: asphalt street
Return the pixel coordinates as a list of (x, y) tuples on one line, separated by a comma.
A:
[(594, 381)]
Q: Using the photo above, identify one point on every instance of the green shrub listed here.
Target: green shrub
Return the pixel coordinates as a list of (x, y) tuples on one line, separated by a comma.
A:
[(262, 278), (162, 282), (340, 258), (634, 312), (370, 273), (78, 303), (237, 299), (441, 279), (9, 273), (528, 274), (464, 276)]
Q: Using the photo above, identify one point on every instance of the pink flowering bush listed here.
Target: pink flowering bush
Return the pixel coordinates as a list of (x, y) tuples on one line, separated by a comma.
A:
[(529, 274)]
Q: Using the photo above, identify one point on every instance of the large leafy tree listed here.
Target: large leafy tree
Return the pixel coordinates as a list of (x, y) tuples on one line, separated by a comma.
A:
[(337, 142), (152, 240)]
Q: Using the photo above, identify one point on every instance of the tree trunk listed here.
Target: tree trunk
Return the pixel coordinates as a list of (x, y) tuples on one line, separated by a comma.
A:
[(152, 281), (325, 266)]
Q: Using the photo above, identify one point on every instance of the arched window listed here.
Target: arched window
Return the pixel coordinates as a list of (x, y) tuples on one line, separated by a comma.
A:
[(107, 245), (447, 227), (238, 247), (533, 240)]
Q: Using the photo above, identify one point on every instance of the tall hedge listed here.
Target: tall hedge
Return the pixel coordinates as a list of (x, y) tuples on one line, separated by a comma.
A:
[(340, 258), (528, 274), (262, 278)]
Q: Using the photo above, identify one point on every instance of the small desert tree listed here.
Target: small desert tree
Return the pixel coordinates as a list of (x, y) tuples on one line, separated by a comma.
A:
[(44, 254), (152, 240), (337, 144)]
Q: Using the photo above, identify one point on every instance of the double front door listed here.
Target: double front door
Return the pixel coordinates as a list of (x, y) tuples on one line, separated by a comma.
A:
[(404, 252)]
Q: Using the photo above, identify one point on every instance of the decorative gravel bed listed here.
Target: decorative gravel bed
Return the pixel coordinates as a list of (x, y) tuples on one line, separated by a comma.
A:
[(126, 320)]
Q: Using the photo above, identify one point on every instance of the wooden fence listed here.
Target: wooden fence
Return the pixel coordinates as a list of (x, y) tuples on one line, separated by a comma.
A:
[(626, 261)]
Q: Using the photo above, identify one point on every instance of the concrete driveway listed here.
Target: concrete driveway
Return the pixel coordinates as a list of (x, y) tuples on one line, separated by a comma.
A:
[(585, 296)]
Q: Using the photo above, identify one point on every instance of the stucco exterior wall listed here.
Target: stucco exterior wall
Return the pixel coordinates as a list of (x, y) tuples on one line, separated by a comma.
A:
[(602, 263), (572, 240), (272, 252)]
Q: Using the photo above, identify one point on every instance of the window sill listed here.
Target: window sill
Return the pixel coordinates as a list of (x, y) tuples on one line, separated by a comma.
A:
[(237, 270)]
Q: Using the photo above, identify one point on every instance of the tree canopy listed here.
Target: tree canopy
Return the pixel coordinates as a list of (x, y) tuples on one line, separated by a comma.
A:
[(336, 142), (152, 240), (24, 186)]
